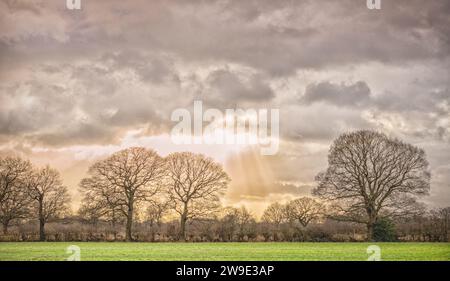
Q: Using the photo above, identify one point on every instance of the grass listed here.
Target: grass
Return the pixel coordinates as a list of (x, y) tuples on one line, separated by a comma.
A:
[(104, 251)]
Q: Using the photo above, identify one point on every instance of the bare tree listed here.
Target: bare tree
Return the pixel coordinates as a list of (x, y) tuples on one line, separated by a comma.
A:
[(304, 210), (195, 184), (100, 200), (441, 222), (49, 195), (156, 209), (90, 213), (371, 175), (123, 180), (228, 223), (245, 222), (14, 200), (275, 213)]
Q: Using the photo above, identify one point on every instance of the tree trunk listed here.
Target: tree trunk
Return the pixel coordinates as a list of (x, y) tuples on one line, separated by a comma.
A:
[(5, 228), (371, 222), (41, 230), (41, 222), (128, 235), (183, 220), (370, 231)]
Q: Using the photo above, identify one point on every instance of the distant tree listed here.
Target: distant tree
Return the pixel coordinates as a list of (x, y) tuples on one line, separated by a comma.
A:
[(275, 213), (441, 222), (49, 195), (304, 210), (236, 223), (123, 180), (246, 223), (371, 175), (195, 184), (100, 200), (90, 213), (156, 209), (228, 225), (15, 202)]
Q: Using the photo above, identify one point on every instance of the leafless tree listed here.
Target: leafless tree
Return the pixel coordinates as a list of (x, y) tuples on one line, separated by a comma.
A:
[(156, 210), (304, 210), (371, 175), (14, 200), (123, 180), (275, 213), (100, 200), (49, 195), (274, 216), (195, 183), (441, 220), (245, 221), (228, 223)]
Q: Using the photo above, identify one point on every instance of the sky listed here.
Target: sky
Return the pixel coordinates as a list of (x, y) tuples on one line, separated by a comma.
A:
[(78, 85)]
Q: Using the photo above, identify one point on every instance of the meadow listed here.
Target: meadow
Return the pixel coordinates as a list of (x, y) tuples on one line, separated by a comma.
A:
[(277, 251)]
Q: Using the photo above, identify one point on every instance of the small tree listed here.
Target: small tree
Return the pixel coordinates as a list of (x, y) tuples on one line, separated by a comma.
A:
[(441, 219), (275, 213), (304, 210), (228, 224), (49, 195), (156, 209), (384, 230), (246, 223)]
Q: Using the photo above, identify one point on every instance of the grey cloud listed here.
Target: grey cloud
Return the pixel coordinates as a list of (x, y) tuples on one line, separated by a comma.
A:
[(23, 5), (149, 67), (359, 95), (278, 38), (354, 95), (319, 122), (224, 88), (256, 191), (86, 102), (76, 134), (418, 111)]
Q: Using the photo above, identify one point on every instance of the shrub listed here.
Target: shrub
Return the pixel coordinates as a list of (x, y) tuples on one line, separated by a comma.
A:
[(384, 231)]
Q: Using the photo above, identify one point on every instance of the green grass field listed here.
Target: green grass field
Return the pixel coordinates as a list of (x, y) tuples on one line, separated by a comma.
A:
[(225, 251)]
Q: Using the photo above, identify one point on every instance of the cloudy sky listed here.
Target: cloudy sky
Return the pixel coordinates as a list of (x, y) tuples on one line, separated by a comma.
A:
[(77, 85)]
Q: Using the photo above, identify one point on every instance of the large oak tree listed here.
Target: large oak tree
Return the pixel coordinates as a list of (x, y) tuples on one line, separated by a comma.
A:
[(124, 180), (370, 175), (195, 183), (15, 201), (50, 196)]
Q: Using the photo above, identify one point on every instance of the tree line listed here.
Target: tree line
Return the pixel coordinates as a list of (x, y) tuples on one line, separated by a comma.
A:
[(372, 180)]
